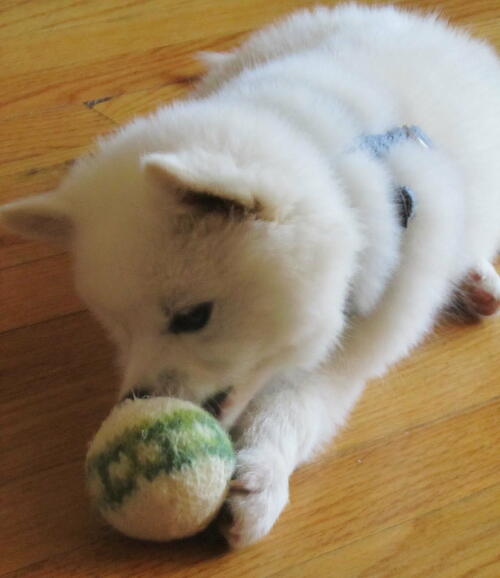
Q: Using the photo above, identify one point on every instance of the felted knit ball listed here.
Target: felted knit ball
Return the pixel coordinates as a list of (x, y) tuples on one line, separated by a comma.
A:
[(159, 468)]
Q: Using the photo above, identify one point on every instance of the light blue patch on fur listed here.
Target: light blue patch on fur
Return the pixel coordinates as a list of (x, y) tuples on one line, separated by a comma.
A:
[(381, 144)]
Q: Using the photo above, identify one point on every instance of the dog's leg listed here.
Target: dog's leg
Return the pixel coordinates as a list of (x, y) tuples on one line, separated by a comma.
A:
[(283, 427)]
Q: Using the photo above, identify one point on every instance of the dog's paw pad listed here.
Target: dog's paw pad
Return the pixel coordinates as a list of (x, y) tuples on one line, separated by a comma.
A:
[(483, 302), (482, 289), (477, 296)]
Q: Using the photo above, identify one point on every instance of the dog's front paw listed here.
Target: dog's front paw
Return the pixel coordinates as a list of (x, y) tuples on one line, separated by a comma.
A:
[(258, 494)]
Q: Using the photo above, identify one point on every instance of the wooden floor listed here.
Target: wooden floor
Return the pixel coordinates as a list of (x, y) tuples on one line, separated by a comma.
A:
[(410, 489)]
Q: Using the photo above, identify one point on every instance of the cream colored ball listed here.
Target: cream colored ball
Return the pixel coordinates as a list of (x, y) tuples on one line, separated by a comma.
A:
[(159, 468)]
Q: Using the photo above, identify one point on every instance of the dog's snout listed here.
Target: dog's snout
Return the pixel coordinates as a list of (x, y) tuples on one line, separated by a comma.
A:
[(173, 383), (170, 382), (166, 383)]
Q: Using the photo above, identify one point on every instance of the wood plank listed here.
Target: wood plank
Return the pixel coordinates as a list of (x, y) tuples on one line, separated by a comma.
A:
[(16, 251), (334, 501), (60, 349), (97, 28), (31, 181), (46, 439), (123, 108), (42, 139), (54, 375), (37, 291), (62, 81), (459, 540), (457, 368), (66, 84)]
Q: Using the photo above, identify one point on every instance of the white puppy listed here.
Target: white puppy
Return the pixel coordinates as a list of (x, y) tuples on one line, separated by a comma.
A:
[(270, 244)]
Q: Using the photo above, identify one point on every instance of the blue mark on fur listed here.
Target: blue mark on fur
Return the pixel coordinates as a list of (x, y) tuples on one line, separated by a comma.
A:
[(381, 144)]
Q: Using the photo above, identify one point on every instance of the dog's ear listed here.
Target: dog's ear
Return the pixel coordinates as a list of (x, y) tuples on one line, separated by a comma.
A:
[(40, 217), (207, 184)]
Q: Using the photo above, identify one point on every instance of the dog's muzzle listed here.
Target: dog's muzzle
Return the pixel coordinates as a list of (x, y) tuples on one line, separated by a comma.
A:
[(214, 404)]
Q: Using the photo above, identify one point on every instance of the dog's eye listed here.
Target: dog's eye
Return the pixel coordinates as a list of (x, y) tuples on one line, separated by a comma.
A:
[(192, 319)]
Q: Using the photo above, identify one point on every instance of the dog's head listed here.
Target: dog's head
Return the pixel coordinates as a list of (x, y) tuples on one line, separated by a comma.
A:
[(215, 250)]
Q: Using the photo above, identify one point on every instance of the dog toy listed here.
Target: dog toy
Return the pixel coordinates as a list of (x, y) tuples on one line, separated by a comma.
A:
[(159, 468)]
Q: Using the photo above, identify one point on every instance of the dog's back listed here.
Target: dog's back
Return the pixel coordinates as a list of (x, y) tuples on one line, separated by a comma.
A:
[(410, 69)]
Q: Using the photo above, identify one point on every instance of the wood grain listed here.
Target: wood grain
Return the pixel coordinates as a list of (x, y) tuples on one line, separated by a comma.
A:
[(122, 108), (48, 293), (410, 488), (31, 142), (469, 549)]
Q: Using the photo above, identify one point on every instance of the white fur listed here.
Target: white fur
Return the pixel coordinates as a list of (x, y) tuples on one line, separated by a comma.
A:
[(271, 129)]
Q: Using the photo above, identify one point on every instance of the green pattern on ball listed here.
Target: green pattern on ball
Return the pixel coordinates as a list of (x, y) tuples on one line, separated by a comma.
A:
[(171, 442)]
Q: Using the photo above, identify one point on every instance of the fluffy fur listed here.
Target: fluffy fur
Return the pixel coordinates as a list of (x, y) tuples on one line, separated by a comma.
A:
[(316, 287)]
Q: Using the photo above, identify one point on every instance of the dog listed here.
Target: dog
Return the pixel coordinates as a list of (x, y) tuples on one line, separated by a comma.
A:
[(294, 227)]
